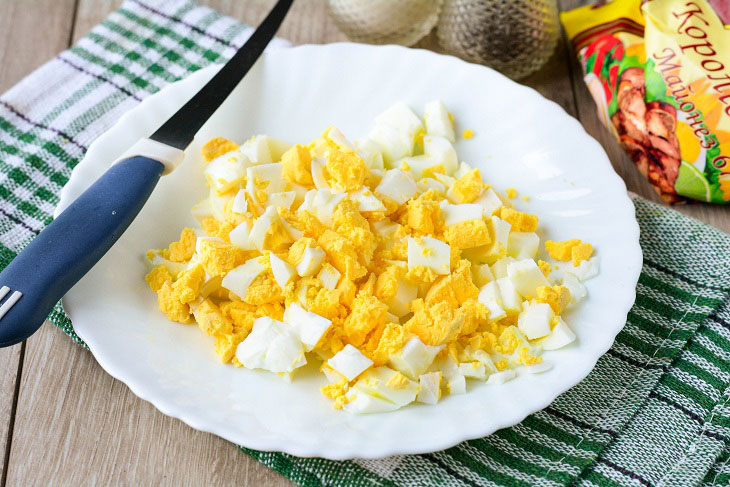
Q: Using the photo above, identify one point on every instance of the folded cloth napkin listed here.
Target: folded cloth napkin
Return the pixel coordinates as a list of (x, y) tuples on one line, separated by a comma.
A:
[(656, 409)]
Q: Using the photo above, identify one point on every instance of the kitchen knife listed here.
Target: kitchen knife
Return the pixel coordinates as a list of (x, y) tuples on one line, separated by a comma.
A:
[(32, 284)]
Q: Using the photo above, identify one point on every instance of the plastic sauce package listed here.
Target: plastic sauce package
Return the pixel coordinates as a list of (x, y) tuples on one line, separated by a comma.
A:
[(659, 72)]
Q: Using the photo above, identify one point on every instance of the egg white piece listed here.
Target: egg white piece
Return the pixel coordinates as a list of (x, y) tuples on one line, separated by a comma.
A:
[(360, 402), (585, 270), (430, 388), (511, 300), (501, 377), (426, 184), (535, 320), (397, 185), (454, 214), (377, 382), (395, 132), (277, 148), (414, 358), (538, 368), (455, 381), (350, 362), (238, 280), (282, 270), (385, 228), (499, 268), (369, 150), (257, 235), (241, 237), (268, 174), (317, 169), (240, 203), (489, 201), (437, 120), (218, 204), (366, 200), (464, 168), (322, 203), (575, 287), (473, 370), (417, 165), (257, 149), (482, 357), (329, 276), (440, 149), (174, 268), (406, 293), (336, 136), (311, 261), (226, 171), (429, 252), (523, 245), (490, 297), (527, 277), (447, 181), (283, 199), (309, 327), (561, 336), (272, 346)]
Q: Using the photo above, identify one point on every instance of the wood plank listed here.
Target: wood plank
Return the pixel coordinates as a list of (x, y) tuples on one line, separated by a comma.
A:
[(30, 34), (716, 215), (9, 361), (76, 425)]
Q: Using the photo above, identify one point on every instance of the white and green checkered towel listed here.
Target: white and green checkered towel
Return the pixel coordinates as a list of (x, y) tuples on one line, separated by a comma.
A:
[(656, 409)]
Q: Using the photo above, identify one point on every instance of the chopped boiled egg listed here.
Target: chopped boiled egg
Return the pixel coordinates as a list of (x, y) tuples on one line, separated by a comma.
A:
[(308, 326), (397, 185), (438, 121), (430, 253), (350, 362), (430, 388), (239, 279), (282, 270), (311, 261), (395, 132), (224, 172), (389, 385), (329, 276), (501, 377), (560, 336), (526, 277), (585, 270), (576, 289), (535, 320), (272, 346), (257, 149), (440, 149), (522, 245), (388, 258), (414, 358)]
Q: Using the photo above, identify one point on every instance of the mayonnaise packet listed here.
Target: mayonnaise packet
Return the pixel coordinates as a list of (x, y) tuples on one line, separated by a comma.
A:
[(659, 71)]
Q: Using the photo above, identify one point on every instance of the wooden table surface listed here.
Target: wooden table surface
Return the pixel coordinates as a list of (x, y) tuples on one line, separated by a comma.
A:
[(63, 420)]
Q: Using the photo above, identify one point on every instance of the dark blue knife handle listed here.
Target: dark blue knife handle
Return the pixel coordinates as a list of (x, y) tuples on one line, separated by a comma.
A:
[(70, 246)]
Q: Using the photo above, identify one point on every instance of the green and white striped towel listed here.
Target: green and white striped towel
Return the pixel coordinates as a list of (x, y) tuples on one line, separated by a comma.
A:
[(656, 409)]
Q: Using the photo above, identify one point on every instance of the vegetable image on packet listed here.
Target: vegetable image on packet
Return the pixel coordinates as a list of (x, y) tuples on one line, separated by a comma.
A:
[(659, 71)]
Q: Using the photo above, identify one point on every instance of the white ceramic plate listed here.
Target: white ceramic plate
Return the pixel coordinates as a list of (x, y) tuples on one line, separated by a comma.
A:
[(522, 141)]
